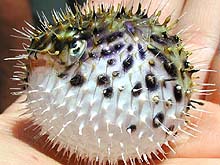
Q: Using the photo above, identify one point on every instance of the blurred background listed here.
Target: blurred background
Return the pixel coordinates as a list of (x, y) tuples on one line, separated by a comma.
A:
[(12, 15)]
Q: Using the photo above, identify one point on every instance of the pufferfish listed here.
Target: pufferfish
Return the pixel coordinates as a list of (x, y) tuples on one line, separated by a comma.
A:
[(108, 84)]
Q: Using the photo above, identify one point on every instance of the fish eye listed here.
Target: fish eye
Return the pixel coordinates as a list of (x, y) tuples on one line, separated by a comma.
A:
[(77, 48)]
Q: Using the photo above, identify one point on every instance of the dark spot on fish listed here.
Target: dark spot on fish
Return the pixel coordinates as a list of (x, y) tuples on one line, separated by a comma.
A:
[(137, 89), (112, 37), (127, 63), (177, 92), (171, 39), (141, 51), (131, 128), (118, 47), (106, 52), (156, 99), (170, 68), (158, 39), (174, 38), (158, 119), (186, 64), (169, 103), (103, 79), (111, 61), (151, 82), (92, 55), (157, 53), (77, 80), (130, 47), (108, 92)]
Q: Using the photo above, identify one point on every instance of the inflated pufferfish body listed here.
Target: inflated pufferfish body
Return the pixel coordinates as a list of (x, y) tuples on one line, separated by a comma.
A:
[(109, 84)]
